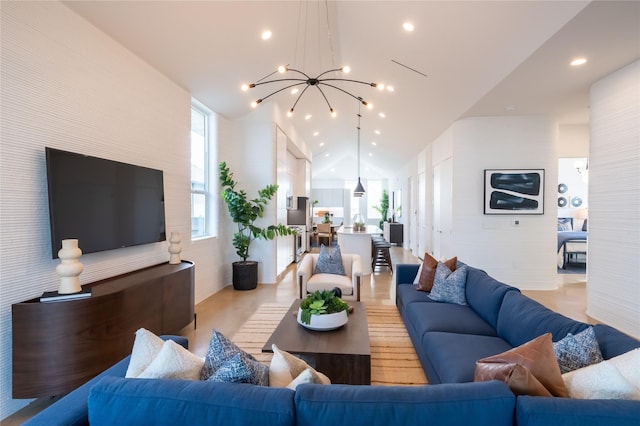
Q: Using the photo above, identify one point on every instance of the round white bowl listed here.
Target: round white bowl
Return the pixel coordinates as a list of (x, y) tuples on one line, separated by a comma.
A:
[(325, 322)]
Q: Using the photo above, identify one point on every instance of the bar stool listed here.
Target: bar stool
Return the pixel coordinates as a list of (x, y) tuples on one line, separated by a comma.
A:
[(381, 256)]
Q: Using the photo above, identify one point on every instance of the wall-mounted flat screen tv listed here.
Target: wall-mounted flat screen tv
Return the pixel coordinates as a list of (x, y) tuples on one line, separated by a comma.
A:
[(104, 204)]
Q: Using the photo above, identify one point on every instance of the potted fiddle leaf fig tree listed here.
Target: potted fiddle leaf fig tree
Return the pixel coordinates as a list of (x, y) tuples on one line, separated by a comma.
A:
[(244, 212), (383, 209)]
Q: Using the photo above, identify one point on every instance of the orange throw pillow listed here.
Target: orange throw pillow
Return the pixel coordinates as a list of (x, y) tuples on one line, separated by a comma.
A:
[(529, 369), (428, 273)]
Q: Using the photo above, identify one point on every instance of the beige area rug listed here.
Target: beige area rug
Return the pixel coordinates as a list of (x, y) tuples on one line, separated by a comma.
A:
[(393, 359)]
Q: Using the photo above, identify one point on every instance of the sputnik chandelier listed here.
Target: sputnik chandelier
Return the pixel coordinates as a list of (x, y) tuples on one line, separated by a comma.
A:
[(318, 82)]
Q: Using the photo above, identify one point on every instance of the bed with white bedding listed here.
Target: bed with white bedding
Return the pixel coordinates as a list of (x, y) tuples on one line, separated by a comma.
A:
[(572, 244)]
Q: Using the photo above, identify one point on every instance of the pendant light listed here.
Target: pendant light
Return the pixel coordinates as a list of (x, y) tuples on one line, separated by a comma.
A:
[(359, 190)]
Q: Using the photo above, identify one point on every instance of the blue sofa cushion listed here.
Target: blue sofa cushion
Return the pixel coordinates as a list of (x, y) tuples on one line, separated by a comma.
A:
[(116, 400), (449, 317), (485, 294), (489, 403), (541, 411), (407, 294), (613, 342), (452, 357), (522, 319)]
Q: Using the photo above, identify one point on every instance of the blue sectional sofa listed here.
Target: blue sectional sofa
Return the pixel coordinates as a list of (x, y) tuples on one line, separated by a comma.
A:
[(450, 338), (110, 399)]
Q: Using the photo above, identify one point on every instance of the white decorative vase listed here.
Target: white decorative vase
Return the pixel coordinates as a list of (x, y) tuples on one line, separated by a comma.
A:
[(70, 267), (174, 248), (324, 322)]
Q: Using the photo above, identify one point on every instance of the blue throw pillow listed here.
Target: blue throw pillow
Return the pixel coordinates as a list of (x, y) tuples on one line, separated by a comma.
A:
[(329, 263), (224, 355), (449, 286), (577, 351)]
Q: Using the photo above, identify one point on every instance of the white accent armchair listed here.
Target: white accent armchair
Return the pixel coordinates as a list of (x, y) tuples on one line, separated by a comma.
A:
[(349, 283)]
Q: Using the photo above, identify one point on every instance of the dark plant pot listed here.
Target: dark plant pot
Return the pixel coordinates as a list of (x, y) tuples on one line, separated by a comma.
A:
[(245, 275)]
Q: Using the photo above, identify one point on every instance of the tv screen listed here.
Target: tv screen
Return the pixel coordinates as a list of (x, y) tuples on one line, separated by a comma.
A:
[(103, 204)]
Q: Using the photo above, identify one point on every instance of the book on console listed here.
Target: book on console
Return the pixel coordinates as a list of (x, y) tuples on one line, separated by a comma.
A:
[(54, 296)]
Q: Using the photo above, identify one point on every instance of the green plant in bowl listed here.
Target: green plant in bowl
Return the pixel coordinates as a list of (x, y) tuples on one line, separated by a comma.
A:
[(320, 303)]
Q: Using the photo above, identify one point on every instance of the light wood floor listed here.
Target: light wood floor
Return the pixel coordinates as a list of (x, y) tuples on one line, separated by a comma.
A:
[(228, 309)]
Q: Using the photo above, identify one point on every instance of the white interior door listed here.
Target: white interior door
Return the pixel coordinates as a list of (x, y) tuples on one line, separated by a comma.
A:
[(414, 222), (442, 209), (422, 207)]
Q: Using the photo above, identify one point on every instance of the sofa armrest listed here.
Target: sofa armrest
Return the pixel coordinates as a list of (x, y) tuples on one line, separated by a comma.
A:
[(304, 272), (356, 275), (72, 409), (406, 273), (543, 411)]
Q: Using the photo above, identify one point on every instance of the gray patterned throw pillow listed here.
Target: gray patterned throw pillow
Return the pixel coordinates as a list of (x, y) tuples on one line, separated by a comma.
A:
[(329, 263), (227, 362), (449, 286), (577, 351)]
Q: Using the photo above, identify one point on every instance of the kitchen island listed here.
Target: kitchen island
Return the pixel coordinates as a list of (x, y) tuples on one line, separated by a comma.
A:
[(358, 242)]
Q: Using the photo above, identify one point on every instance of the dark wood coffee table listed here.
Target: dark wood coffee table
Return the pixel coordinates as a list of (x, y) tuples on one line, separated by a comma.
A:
[(344, 355)]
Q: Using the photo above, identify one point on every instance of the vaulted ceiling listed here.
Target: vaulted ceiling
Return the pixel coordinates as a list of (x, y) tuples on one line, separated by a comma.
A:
[(464, 58)]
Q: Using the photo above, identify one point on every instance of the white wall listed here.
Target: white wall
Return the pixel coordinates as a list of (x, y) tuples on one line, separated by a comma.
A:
[(614, 201), (66, 85), (522, 255)]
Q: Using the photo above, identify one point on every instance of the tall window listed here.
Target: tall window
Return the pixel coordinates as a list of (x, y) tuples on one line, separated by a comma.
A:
[(200, 193), (374, 195)]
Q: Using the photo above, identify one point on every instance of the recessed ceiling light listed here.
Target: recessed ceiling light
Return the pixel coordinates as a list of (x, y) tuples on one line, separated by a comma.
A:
[(370, 154), (321, 143), (391, 89), (307, 117), (373, 143), (316, 133), (377, 132), (382, 115), (326, 155), (408, 26), (266, 35), (294, 91), (578, 61)]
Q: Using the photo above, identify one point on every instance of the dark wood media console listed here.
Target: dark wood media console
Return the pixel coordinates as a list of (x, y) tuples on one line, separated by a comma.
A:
[(58, 346)]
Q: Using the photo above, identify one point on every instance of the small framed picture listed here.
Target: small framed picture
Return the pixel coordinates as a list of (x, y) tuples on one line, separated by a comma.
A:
[(513, 191)]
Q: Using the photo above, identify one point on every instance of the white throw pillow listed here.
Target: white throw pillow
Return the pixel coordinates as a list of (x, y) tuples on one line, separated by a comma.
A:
[(599, 381), (174, 362), (305, 377), (416, 280), (285, 367), (146, 347), (628, 364)]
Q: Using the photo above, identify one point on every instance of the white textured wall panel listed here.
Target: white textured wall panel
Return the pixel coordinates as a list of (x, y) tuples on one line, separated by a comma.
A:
[(614, 201), (68, 86)]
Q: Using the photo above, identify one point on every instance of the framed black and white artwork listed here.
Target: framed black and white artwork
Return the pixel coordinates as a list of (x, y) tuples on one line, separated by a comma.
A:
[(513, 191)]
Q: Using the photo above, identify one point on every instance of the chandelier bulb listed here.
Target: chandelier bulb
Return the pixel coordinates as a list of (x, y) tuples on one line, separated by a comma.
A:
[(290, 113), (380, 86), (282, 69), (369, 105), (333, 112), (346, 69), (245, 87)]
